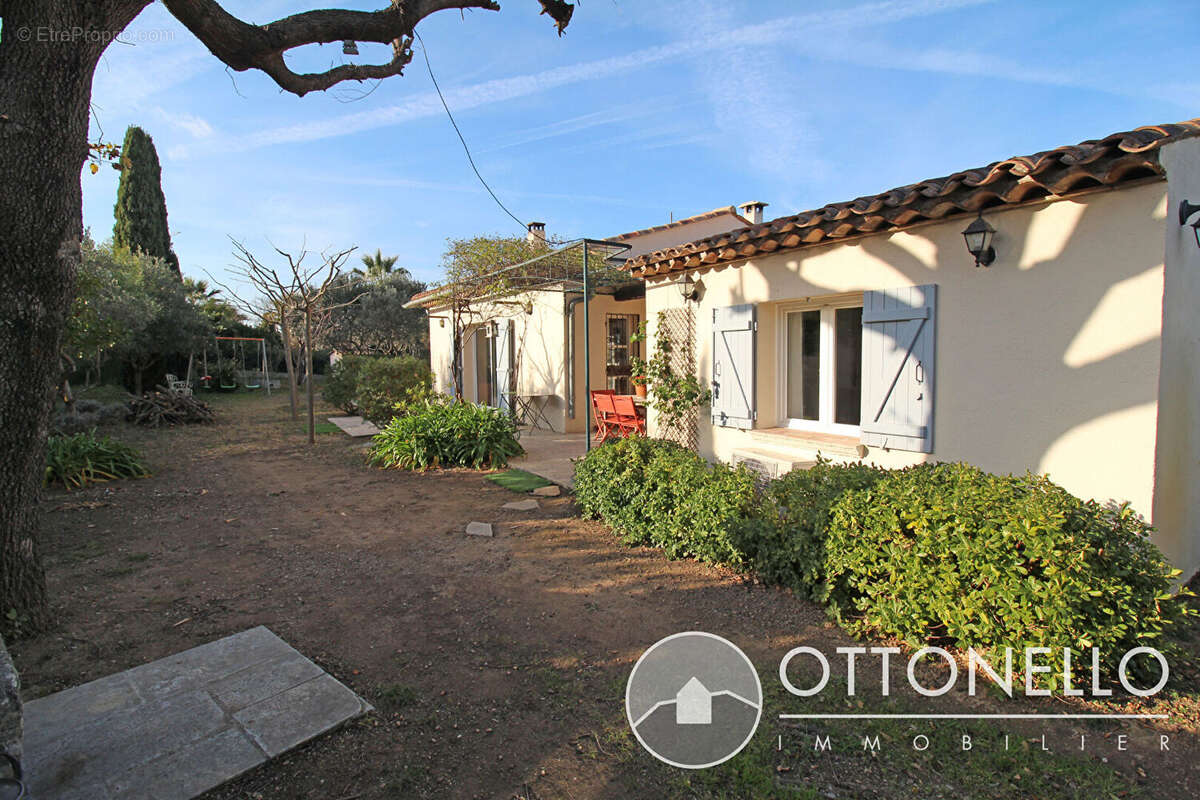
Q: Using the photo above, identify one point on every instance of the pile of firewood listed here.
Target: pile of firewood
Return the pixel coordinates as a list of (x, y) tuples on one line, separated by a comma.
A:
[(164, 407)]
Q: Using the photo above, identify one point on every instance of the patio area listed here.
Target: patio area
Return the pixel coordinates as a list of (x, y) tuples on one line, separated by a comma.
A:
[(551, 455)]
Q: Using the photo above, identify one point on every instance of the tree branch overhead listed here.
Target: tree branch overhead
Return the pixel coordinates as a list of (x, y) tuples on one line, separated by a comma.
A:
[(244, 46)]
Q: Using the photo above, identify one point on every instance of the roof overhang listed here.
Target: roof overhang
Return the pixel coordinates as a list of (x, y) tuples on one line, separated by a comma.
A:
[(1108, 163)]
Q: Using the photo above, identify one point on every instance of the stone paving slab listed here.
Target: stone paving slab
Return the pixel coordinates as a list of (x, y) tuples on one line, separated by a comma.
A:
[(174, 728), (480, 529), (355, 426)]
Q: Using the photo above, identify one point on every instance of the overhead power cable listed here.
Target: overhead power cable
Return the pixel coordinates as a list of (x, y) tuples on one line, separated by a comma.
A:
[(466, 149)]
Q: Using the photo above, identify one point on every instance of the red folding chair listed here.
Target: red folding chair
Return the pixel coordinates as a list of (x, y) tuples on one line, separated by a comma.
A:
[(606, 416), (628, 418)]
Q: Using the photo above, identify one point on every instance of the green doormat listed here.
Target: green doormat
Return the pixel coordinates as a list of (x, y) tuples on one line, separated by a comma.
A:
[(518, 480)]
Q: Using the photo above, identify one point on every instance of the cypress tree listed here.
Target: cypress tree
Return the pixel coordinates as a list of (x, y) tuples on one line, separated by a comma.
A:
[(141, 210)]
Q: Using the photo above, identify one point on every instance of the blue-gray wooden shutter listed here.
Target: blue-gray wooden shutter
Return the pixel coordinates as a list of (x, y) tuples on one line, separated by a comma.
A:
[(734, 332), (505, 373), (899, 335)]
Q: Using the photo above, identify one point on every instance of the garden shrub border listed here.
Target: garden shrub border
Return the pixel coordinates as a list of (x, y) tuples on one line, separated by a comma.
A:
[(938, 553), (659, 493), (373, 386)]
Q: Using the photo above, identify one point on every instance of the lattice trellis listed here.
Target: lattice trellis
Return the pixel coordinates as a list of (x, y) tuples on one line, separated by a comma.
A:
[(679, 324)]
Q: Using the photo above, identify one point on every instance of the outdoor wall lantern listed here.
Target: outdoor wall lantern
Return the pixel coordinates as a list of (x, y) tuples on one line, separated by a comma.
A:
[(349, 47), (1186, 210), (979, 241), (686, 287)]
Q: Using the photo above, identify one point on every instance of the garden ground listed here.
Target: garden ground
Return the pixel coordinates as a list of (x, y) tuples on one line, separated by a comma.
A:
[(497, 666)]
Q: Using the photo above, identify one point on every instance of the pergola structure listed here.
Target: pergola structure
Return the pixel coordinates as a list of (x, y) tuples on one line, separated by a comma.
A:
[(580, 265)]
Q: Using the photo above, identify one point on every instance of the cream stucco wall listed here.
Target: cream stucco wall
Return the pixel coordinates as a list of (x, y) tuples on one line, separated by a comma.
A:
[(1177, 495), (540, 349), (1046, 361)]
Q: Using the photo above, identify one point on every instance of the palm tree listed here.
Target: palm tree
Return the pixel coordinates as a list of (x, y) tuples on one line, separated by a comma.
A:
[(377, 265), (198, 289)]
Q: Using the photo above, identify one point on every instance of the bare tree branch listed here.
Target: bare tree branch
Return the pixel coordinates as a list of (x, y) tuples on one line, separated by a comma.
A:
[(243, 46)]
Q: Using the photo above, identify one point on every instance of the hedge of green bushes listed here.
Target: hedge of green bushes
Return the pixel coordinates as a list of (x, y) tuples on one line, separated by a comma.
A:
[(373, 385), (948, 551), (782, 539), (438, 432), (657, 493), (941, 553)]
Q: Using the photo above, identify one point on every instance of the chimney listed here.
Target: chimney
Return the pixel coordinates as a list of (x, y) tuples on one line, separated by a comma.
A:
[(753, 211), (537, 233)]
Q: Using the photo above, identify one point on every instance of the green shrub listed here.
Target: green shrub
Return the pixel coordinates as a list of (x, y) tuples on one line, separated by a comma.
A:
[(948, 552), (373, 385), (658, 493), (441, 433), (341, 385), (85, 458), (783, 539)]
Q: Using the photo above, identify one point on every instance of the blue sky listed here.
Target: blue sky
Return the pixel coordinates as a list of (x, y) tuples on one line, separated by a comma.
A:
[(642, 110)]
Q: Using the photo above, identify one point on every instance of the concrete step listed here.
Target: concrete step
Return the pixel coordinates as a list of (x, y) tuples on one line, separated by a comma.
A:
[(770, 463), (805, 442)]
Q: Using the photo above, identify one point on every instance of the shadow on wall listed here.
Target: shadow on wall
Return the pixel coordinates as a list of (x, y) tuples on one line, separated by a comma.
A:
[(1032, 351)]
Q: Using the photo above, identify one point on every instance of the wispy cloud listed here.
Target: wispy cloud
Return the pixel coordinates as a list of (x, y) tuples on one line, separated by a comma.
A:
[(386, 182), (498, 90), (584, 122), (166, 56), (195, 125)]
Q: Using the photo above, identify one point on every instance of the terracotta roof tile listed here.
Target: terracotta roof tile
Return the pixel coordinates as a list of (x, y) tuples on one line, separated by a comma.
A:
[(1121, 157)]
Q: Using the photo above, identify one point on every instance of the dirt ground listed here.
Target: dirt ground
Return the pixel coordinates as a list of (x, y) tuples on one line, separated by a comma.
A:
[(497, 666)]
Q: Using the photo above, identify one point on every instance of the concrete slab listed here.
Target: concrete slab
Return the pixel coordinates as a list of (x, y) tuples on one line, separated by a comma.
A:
[(522, 505), (291, 718), (253, 684), (551, 455), (191, 770), (176, 727), (355, 426), (480, 529)]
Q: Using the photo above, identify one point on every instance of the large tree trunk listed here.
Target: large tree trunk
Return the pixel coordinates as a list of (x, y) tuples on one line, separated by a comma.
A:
[(45, 91)]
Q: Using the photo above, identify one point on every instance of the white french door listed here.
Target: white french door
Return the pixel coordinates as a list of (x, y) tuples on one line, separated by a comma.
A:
[(821, 355)]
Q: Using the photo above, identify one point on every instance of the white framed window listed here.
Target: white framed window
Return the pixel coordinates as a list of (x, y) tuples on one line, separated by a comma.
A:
[(820, 347)]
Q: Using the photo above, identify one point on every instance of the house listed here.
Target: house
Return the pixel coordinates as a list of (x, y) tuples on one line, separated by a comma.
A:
[(527, 347), (693, 704), (866, 329)]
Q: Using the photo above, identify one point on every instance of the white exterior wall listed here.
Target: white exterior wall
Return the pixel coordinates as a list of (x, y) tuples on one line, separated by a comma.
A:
[(1048, 360), (540, 350)]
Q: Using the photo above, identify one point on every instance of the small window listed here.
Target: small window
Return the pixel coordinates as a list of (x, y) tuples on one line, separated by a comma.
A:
[(823, 367)]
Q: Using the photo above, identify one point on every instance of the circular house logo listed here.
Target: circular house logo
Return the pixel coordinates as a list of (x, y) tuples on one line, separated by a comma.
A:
[(693, 700)]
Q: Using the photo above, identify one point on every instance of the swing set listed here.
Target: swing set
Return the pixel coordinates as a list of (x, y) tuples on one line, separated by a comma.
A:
[(261, 376)]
